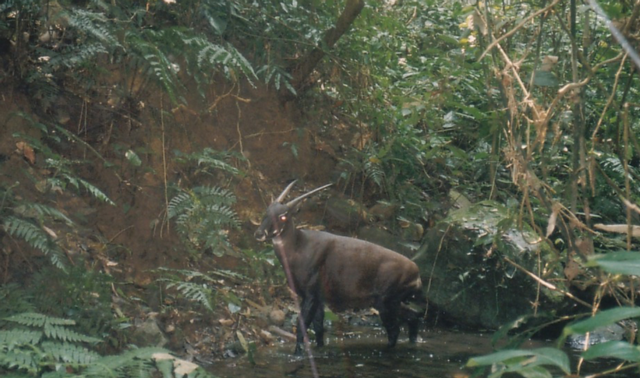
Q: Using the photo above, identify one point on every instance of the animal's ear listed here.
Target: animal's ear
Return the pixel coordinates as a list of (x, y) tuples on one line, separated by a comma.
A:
[(296, 208)]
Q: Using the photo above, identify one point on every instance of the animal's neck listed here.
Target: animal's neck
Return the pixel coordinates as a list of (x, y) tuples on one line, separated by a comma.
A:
[(286, 241)]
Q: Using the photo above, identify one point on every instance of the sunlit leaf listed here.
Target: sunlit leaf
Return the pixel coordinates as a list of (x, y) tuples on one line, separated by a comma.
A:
[(614, 349), (133, 158), (524, 358), (622, 262), (601, 319)]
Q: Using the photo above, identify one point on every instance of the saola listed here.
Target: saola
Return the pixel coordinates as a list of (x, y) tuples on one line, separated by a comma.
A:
[(345, 273)]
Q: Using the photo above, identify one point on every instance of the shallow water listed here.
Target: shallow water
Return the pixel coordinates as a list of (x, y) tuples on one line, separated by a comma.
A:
[(362, 352)]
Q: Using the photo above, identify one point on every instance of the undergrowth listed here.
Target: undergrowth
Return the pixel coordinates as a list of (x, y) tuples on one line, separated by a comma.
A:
[(37, 345)]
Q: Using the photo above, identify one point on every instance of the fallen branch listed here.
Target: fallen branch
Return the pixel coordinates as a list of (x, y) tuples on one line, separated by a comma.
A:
[(619, 229), (282, 332)]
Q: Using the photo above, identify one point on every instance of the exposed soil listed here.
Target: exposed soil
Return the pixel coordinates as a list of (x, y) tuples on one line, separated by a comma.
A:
[(278, 142)]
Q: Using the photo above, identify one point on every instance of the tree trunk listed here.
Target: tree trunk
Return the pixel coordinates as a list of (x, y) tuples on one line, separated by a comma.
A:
[(302, 69)]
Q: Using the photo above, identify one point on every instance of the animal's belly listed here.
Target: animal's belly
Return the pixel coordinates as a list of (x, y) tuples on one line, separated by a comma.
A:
[(339, 303)]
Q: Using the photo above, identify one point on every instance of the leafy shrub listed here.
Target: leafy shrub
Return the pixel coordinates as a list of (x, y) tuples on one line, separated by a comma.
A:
[(36, 345)]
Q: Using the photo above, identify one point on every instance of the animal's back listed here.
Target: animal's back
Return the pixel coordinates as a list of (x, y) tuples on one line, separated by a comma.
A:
[(355, 273)]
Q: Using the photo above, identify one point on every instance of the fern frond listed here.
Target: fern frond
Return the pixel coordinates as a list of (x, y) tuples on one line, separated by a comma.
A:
[(375, 172), (69, 353), (43, 210), (79, 183), (210, 159), (14, 337), (194, 292), (93, 24), (214, 195), (20, 360), (32, 319), (162, 69), (73, 56), (64, 334), (228, 57), (36, 237), (212, 162), (179, 204), (221, 215), (94, 191), (111, 366)]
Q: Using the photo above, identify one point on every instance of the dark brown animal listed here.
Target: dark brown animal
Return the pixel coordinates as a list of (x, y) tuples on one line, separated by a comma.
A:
[(344, 273)]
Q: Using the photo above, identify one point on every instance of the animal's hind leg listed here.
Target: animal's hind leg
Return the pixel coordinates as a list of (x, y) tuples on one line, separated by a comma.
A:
[(412, 318), (412, 313)]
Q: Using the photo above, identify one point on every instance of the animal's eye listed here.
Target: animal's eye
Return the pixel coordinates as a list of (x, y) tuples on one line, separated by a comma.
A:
[(283, 217)]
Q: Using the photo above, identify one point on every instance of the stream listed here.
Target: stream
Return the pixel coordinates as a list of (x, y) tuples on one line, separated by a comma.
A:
[(361, 352)]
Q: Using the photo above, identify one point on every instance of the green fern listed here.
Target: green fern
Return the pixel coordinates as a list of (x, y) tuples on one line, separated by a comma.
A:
[(210, 161), (30, 319), (279, 76), (95, 25), (14, 337), (79, 183), (195, 286), (69, 353), (42, 342), (203, 216), (36, 237), (195, 292), (30, 350), (31, 209), (147, 52)]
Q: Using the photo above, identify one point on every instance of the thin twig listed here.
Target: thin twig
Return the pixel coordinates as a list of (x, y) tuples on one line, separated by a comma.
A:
[(609, 101), (164, 166), (118, 234), (516, 28), (433, 268), (548, 285)]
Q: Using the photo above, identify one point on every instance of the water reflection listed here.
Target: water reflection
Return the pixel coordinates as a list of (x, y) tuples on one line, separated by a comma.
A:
[(362, 352)]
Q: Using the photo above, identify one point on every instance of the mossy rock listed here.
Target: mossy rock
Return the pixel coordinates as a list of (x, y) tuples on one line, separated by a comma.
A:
[(464, 263)]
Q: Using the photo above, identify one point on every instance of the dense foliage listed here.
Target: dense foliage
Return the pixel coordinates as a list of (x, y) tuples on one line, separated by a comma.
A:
[(531, 104)]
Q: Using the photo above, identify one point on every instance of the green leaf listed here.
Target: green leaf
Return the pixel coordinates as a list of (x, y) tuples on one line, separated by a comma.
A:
[(601, 319), (614, 349), (622, 262), (545, 79), (524, 358), (133, 158)]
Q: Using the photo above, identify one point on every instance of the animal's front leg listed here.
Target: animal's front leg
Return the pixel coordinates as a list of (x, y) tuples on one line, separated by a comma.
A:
[(318, 324), (308, 309)]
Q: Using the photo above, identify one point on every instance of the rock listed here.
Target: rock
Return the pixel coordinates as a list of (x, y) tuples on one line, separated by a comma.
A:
[(148, 334), (276, 317), (383, 211), (470, 281), (410, 230), (611, 332)]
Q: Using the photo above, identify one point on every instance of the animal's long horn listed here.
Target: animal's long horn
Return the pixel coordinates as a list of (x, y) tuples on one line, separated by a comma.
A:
[(285, 191), (300, 198)]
